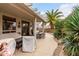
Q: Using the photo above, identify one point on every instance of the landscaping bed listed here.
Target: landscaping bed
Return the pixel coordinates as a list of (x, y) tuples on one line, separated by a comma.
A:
[(59, 50)]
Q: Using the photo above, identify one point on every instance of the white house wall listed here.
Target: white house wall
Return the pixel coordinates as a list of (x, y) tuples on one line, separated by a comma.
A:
[(18, 19)]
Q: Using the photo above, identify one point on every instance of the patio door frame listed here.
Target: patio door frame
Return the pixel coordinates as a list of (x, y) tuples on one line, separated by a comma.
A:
[(26, 28)]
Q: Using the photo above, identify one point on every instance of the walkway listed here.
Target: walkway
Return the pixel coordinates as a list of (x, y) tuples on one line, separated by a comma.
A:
[(45, 47)]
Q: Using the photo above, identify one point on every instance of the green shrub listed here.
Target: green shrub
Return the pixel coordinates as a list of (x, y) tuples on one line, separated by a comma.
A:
[(71, 45), (71, 26), (58, 33)]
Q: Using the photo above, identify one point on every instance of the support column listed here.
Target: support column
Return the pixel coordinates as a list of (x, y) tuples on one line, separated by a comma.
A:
[(43, 30), (43, 26), (35, 29), (1, 23)]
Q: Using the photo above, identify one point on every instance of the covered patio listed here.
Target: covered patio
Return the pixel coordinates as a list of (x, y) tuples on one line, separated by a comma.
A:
[(18, 24)]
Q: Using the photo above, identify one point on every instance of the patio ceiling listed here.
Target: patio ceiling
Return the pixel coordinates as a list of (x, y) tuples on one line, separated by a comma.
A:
[(14, 10), (19, 10)]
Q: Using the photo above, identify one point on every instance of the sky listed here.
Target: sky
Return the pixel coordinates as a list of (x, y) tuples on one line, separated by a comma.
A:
[(66, 8), (45, 6)]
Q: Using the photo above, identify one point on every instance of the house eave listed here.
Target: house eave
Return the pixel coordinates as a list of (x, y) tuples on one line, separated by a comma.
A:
[(20, 10)]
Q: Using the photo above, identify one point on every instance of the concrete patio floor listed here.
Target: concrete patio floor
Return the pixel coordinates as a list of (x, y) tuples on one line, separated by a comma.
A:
[(45, 47)]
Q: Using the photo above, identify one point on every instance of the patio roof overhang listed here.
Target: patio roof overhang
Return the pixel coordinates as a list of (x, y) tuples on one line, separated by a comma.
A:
[(19, 10)]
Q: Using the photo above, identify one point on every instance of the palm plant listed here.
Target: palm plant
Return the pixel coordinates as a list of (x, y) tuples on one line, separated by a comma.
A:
[(71, 39), (53, 16), (71, 45), (58, 29)]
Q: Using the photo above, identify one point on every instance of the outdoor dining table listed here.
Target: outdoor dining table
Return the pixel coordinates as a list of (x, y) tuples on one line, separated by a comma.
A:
[(11, 40), (11, 44)]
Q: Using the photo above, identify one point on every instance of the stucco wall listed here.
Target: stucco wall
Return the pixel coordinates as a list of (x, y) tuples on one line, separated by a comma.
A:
[(18, 19)]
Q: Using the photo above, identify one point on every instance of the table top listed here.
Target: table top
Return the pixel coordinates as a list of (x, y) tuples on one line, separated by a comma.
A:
[(10, 35), (7, 40)]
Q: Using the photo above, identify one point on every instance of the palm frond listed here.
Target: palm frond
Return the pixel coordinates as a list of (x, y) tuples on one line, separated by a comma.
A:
[(71, 39), (53, 16)]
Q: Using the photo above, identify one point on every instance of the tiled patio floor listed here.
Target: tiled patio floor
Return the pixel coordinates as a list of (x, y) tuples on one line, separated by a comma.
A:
[(45, 47)]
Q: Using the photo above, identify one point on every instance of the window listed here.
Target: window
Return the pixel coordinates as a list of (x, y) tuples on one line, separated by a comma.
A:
[(9, 24)]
